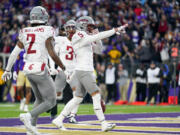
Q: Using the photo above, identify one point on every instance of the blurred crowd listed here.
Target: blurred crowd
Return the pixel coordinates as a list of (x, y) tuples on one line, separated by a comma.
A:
[(152, 34)]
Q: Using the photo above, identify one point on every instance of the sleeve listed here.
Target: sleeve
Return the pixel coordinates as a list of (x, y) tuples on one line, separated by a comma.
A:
[(92, 38), (50, 32)]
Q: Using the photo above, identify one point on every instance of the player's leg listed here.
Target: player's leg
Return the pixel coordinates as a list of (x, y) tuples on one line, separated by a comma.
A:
[(46, 89), (38, 100), (58, 122), (28, 94), (73, 83), (60, 83), (20, 89), (76, 100), (89, 83), (28, 119)]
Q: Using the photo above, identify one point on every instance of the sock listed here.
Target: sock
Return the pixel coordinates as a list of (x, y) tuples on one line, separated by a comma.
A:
[(74, 110), (76, 107), (97, 107)]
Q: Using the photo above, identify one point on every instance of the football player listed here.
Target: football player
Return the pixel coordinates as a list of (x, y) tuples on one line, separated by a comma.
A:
[(82, 45), (22, 80), (64, 49), (87, 24), (37, 40)]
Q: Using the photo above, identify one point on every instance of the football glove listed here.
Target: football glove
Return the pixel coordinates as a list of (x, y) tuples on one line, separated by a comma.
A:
[(6, 75), (68, 75), (53, 71), (121, 29)]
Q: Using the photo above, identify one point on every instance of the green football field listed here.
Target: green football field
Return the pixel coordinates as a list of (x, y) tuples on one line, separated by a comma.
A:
[(12, 109), (129, 120)]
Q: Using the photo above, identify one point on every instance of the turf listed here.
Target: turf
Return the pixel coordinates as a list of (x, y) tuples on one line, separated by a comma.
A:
[(12, 109)]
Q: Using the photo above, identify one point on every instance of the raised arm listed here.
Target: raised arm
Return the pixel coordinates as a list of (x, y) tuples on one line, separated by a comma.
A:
[(52, 53), (92, 38), (101, 35)]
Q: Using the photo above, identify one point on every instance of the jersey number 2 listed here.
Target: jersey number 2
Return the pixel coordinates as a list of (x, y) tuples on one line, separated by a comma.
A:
[(69, 56), (32, 36)]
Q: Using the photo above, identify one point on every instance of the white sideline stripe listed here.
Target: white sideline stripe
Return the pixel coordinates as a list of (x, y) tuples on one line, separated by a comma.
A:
[(7, 105)]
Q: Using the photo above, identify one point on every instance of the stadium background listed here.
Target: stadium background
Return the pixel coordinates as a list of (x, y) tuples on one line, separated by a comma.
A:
[(152, 35)]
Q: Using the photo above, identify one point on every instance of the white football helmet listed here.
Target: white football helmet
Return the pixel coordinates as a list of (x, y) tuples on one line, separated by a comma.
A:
[(83, 22), (70, 26), (38, 15), (70, 23)]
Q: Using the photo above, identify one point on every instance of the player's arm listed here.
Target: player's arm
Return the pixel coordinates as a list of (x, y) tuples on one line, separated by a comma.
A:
[(12, 58), (52, 53), (14, 54), (57, 50), (16, 68), (92, 38)]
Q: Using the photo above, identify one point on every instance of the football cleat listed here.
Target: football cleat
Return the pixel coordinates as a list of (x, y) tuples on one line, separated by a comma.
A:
[(59, 125), (26, 119), (72, 120), (107, 127)]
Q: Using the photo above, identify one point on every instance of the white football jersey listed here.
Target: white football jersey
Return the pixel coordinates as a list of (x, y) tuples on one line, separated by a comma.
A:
[(84, 55), (33, 39), (64, 49)]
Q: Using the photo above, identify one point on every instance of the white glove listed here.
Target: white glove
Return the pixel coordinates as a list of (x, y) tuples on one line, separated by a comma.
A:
[(53, 71), (68, 74), (121, 29), (6, 75), (14, 75)]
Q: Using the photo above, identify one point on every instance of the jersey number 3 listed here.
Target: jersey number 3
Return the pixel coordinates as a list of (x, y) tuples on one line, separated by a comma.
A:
[(32, 36), (69, 56)]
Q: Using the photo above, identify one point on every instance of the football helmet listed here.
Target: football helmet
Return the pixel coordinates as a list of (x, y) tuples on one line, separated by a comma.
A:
[(70, 28), (69, 24), (38, 15), (83, 22)]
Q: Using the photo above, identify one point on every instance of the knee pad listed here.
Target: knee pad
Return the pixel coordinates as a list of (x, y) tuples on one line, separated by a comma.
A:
[(77, 100)]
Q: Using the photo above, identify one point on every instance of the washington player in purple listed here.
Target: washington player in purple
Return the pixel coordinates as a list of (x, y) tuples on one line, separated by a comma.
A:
[(21, 81)]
